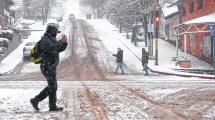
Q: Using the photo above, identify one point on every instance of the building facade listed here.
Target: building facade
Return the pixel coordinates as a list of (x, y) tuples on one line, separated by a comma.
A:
[(5, 17), (170, 17), (1, 14), (17, 11), (198, 44)]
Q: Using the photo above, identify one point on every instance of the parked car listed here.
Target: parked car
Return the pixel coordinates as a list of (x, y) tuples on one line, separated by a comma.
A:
[(88, 16), (71, 16), (6, 34), (57, 17), (1, 50), (4, 42), (27, 49)]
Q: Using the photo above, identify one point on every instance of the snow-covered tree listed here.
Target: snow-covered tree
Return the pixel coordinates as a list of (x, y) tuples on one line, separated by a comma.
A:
[(40, 8)]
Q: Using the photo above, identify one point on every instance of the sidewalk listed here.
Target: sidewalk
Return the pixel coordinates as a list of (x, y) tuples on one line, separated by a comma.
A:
[(167, 66)]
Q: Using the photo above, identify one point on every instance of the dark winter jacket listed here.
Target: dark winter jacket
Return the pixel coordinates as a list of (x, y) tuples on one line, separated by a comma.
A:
[(145, 57), (119, 56), (52, 47)]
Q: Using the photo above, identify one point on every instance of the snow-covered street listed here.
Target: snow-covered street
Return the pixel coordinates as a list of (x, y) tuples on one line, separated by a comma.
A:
[(117, 99)]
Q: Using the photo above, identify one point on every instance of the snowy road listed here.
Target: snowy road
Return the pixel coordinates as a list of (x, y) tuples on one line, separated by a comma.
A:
[(112, 100), (89, 90)]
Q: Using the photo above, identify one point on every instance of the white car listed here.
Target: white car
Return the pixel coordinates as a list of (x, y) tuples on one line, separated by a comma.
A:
[(27, 49)]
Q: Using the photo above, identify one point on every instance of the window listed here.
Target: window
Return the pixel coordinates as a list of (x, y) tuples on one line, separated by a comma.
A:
[(184, 11), (191, 7), (200, 4)]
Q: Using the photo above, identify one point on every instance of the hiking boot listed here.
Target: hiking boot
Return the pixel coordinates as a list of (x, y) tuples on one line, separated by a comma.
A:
[(35, 103), (146, 74), (56, 109)]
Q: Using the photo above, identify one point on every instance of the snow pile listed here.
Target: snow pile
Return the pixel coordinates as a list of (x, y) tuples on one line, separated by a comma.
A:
[(169, 10), (26, 21)]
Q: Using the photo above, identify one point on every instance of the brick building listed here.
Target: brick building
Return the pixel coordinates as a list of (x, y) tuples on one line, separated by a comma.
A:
[(198, 12)]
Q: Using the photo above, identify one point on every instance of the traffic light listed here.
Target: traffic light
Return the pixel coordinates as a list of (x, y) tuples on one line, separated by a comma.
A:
[(157, 20)]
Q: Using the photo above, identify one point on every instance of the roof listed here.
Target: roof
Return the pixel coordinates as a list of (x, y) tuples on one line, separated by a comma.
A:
[(192, 25), (15, 7), (9, 1), (168, 11), (202, 20), (207, 19), (18, 2)]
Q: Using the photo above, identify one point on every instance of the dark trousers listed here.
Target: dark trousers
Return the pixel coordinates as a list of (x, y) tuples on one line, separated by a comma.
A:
[(49, 71)]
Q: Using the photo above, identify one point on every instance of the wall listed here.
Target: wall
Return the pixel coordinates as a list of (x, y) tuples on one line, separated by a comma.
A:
[(2, 13), (199, 44), (208, 7), (171, 22)]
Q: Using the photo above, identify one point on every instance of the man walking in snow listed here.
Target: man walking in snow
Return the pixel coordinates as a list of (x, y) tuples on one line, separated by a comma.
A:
[(119, 60), (145, 59), (48, 67)]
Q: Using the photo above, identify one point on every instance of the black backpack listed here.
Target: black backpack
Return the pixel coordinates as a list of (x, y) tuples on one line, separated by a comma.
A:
[(36, 55)]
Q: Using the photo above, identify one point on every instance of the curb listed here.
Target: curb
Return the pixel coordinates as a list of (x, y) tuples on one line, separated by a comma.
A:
[(11, 71), (182, 75)]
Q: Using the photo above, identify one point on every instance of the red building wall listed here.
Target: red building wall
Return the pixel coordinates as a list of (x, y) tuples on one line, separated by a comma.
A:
[(208, 7), (196, 42)]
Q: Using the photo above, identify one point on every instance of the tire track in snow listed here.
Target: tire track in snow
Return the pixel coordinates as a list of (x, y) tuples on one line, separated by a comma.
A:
[(98, 110), (162, 108)]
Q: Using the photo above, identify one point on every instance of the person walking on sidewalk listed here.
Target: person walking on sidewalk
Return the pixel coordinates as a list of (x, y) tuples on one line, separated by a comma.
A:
[(145, 60), (48, 67), (119, 60)]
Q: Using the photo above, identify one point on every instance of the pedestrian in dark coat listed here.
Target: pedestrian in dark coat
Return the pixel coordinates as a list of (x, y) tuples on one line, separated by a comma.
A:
[(119, 60), (145, 60), (48, 67)]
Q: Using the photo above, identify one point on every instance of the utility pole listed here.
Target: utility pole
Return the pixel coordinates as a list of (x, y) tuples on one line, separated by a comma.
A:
[(157, 22), (214, 52)]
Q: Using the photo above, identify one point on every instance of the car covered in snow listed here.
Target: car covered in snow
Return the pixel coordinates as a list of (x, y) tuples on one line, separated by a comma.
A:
[(57, 17), (1, 50), (71, 16), (4, 43), (27, 49)]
